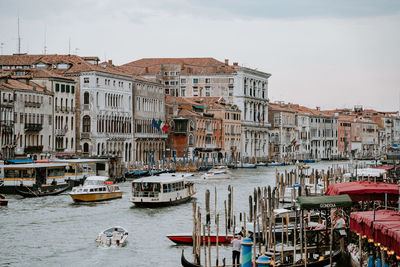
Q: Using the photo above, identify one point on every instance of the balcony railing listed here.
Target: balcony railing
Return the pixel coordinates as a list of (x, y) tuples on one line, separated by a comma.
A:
[(7, 123), (60, 132), (85, 135), (209, 132), (86, 107), (33, 127), (32, 105), (33, 149)]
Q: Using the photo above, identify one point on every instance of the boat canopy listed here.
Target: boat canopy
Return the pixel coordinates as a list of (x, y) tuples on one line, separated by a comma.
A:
[(20, 161), (163, 179), (385, 229), (35, 165), (324, 202), (364, 190), (97, 178)]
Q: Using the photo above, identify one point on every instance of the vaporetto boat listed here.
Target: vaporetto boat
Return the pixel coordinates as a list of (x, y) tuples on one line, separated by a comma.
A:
[(162, 190), (95, 188), (217, 174)]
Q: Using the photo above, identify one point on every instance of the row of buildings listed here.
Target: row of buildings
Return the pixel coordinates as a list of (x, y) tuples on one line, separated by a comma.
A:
[(63, 105)]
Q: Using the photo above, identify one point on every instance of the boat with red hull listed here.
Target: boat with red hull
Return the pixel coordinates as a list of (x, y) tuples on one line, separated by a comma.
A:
[(187, 239)]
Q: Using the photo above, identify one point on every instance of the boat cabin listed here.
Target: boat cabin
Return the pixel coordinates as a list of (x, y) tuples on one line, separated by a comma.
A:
[(78, 169), (153, 186), (34, 174)]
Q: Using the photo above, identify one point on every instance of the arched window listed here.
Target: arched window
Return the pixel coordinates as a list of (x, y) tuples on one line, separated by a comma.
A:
[(85, 148), (191, 140), (86, 98), (86, 124)]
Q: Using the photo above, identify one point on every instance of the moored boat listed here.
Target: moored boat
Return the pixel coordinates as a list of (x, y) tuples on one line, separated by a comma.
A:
[(217, 174), (163, 190), (246, 166), (3, 200), (187, 238), (273, 164), (40, 191), (95, 188), (114, 236), (262, 164)]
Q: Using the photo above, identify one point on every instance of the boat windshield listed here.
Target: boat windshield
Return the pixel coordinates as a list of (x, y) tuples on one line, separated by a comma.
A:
[(94, 182), (148, 187)]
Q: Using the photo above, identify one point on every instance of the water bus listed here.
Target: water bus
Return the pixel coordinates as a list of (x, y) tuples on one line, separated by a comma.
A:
[(77, 170), (95, 188), (163, 190), (33, 176)]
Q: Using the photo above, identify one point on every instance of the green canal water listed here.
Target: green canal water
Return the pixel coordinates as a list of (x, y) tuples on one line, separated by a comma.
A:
[(53, 231)]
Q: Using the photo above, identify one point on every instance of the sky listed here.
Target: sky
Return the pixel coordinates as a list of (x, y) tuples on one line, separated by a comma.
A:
[(331, 54)]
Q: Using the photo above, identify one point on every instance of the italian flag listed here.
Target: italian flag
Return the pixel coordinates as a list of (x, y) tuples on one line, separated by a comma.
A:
[(162, 125), (294, 142)]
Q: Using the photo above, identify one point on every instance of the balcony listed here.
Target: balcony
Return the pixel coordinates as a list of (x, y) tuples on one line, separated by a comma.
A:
[(211, 146), (86, 107), (33, 127), (85, 135), (33, 149), (7, 123), (60, 132), (209, 132), (60, 148), (32, 105)]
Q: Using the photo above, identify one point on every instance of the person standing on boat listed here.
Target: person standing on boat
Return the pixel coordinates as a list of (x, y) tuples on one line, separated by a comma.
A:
[(116, 236), (236, 245)]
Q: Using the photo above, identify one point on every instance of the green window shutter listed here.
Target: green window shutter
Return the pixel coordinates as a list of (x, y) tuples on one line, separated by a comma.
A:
[(67, 88), (57, 87), (72, 89), (62, 88)]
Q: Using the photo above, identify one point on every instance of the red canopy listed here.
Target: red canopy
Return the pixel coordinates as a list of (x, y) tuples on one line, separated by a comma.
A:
[(364, 190), (386, 227), (386, 167)]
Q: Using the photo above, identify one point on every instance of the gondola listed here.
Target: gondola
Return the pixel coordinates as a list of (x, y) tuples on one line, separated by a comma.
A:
[(321, 263), (36, 193), (186, 263)]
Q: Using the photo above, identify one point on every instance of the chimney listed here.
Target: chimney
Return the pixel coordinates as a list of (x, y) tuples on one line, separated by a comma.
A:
[(146, 70), (226, 62), (235, 64), (182, 66), (318, 108), (190, 70), (110, 61), (34, 87)]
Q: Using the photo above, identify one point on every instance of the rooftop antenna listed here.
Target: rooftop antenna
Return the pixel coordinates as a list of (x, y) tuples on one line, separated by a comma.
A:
[(69, 46), (76, 50), (44, 47), (19, 38), (1, 47)]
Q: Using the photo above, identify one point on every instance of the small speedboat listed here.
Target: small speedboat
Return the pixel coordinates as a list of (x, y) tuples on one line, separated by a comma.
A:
[(261, 164), (218, 173), (114, 236)]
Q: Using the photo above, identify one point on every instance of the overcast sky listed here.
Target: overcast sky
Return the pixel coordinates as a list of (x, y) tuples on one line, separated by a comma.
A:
[(319, 52)]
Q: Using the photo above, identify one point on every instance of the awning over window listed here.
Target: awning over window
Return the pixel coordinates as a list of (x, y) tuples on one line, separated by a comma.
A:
[(324, 202), (364, 190)]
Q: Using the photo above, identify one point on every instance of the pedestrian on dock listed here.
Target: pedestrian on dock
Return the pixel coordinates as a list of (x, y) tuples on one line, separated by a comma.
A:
[(236, 245)]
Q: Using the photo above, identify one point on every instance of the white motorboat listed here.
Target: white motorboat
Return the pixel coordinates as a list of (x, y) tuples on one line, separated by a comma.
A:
[(218, 173), (114, 236)]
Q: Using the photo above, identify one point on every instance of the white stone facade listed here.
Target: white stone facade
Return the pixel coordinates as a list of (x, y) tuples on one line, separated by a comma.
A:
[(105, 119), (251, 96)]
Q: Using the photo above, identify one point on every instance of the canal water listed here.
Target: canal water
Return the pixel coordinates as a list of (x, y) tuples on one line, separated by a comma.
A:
[(53, 231)]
